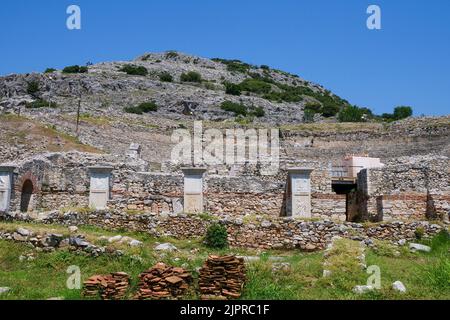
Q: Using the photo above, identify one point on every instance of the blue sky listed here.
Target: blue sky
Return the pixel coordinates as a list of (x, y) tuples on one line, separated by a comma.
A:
[(325, 41)]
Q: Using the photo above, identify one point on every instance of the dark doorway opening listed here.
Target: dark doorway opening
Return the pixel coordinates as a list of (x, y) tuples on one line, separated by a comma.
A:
[(345, 187), (27, 193)]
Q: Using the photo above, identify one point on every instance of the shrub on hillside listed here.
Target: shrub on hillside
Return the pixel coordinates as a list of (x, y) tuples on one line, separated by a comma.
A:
[(49, 70), (134, 70), (75, 69), (236, 108), (352, 114), (165, 77), (216, 236), (191, 76), (171, 54), (33, 87), (232, 88), (402, 112), (330, 110), (142, 108), (259, 112), (313, 107), (308, 116), (40, 103), (255, 86), (234, 65)]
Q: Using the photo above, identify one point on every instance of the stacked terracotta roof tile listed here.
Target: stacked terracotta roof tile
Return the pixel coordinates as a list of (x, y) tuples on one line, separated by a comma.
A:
[(222, 277), (113, 286), (163, 282)]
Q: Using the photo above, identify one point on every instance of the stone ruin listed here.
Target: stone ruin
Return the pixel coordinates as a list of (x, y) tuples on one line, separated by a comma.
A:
[(406, 188)]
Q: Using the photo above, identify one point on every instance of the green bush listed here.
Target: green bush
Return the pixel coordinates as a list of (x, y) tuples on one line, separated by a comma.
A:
[(237, 108), (142, 108), (33, 87), (191, 76), (134, 70), (255, 86), (234, 65), (259, 112), (40, 103), (419, 233), (75, 69), (210, 86), (232, 88), (216, 236), (165, 77), (308, 115), (171, 54), (49, 70), (352, 114), (330, 110), (402, 112), (313, 107)]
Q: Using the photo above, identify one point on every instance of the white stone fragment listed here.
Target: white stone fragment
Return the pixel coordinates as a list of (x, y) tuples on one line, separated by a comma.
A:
[(399, 286), (419, 247)]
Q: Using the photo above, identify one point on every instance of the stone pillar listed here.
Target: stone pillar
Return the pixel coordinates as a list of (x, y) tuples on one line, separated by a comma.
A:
[(6, 181), (299, 192), (193, 189), (99, 187)]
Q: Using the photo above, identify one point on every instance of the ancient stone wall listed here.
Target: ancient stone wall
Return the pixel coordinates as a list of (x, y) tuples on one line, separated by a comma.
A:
[(405, 189), (275, 233), (397, 191)]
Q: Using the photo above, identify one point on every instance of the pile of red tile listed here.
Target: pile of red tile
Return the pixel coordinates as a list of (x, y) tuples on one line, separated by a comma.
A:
[(163, 282), (113, 286), (222, 277)]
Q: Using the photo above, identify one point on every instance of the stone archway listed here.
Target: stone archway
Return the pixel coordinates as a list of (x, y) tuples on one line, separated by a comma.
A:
[(26, 195)]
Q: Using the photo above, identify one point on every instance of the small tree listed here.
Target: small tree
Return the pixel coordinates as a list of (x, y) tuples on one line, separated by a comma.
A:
[(33, 88), (402, 112), (216, 236), (353, 114)]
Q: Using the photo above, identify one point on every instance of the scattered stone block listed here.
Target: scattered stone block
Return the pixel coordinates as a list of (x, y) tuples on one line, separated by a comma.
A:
[(399, 286), (4, 290), (363, 289), (419, 247), (73, 229), (166, 247)]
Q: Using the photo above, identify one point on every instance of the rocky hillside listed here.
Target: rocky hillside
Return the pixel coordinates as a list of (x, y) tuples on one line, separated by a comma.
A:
[(181, 86), (38, 112)]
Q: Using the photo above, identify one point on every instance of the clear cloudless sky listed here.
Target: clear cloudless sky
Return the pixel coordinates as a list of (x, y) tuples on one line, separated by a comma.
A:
[(324, 41)]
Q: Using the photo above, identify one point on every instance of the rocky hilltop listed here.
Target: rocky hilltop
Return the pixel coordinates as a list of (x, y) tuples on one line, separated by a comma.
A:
[(106, 87), (38, 111)]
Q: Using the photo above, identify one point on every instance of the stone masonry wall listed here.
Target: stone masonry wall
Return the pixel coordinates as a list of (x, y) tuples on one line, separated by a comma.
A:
[(405, 189), (280, 233)]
